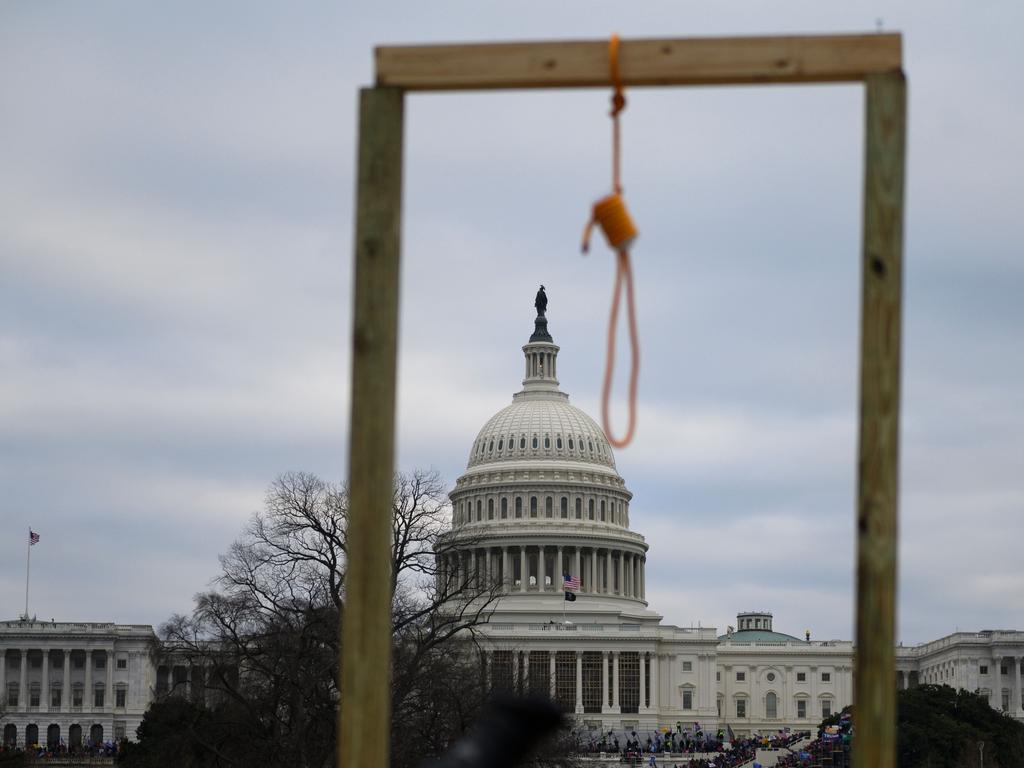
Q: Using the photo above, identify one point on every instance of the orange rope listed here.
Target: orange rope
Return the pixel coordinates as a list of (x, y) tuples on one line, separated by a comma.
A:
[(610, 212)]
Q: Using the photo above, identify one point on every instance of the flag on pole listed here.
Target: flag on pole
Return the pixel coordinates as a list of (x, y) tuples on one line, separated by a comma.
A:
[(572, 583), (33, 537)]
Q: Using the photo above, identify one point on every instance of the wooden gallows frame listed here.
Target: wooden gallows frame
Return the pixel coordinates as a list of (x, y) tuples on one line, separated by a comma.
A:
[(873, 59)]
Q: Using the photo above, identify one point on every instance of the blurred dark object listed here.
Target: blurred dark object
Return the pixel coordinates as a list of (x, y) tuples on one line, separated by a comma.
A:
[(508, 730)]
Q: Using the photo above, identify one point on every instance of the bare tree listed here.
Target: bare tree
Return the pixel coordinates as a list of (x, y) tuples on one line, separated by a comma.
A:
[(263, 642)]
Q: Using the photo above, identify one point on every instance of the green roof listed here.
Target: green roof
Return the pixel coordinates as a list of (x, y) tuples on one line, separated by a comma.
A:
[(760, 636)]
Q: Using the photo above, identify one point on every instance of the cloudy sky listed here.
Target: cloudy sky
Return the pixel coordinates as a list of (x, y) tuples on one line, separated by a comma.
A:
[(176, 195)]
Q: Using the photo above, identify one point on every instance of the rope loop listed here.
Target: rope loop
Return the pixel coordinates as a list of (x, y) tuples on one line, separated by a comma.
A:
[(620, 231)]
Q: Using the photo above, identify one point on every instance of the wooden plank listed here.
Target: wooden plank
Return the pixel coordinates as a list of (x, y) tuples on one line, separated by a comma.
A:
[(878, 452), (680, 61), (365, 718)]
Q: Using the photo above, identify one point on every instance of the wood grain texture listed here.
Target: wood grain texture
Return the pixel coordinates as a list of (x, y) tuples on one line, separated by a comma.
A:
[(878, 450), (364, 727), (680, 61)]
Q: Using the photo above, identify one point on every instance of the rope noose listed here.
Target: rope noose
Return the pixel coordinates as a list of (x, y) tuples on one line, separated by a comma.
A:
[(620, 231)]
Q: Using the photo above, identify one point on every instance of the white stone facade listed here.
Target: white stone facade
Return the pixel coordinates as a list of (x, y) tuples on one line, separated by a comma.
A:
[(541, 497), (73, 682)]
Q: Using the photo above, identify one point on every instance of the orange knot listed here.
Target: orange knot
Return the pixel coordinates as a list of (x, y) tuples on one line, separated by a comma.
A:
[(611, 214)]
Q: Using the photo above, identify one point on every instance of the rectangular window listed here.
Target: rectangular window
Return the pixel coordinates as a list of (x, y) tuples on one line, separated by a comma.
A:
[(1003, 669), (55, 697), (741, 707), (548, 506), (101, 662), (801, 677), (719, 707), (629, 682), (78, 662), (504, 507), (97, 697), (687, 698), (35, 662), (687, 666), (33, 697), (579, 508), (120, 696), (801, 708), (533, 506), (592, 681), (826, 677), (718, 677), (519, 506), (983, 669), (826, 709), (741, 676), (122, 663), (119, 731), (565, 507), (76, 697), (12, 696)]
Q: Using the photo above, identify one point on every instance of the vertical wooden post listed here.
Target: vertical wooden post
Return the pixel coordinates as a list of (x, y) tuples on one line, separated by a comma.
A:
[(365, 717), (878, 458)]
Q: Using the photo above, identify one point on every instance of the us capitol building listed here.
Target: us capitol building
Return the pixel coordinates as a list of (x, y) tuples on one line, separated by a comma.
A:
[(540, 499)]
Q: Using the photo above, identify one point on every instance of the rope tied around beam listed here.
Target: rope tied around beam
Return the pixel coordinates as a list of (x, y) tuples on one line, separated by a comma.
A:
[(620, 231)]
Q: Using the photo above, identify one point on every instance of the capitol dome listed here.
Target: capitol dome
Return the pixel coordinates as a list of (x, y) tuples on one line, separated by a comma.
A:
[(541, 501)]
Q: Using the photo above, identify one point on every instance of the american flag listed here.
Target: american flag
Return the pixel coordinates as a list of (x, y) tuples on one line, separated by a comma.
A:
[(572, 583), (33, 537)]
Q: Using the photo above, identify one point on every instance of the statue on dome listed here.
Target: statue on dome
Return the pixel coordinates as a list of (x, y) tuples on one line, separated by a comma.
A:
[(541, 302)]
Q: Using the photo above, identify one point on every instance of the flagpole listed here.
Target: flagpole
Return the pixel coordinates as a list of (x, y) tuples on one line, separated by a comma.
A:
[(28, 561)]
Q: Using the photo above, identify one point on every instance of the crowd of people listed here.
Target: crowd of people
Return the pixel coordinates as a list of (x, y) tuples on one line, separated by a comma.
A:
[(714, 751), (41, 753)]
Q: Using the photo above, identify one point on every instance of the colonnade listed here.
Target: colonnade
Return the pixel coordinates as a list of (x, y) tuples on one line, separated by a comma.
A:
[(611, 688), (58, 694), (958, 670), (540, 568)]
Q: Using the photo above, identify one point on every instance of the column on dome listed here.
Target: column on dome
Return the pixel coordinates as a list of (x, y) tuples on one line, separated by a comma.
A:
[(487, 567), (579, 681), (44, 694), (622, 573), (615, 681), (557, 578), (605, 709), (643, 579), (23, 681), (576, 570), (541, 568), (643, 682), (65, 694), (524, 575), (593, 571), (636, 575), (506, 580), (607, 571)]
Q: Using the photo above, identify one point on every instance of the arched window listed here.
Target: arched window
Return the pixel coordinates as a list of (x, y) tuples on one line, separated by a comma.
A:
[(579, 508), (519, 506), (490, 447), (522, 443), (548, 503), (771, 706), (558, 442), (590, 446), (565, 507), (571, 448), (504, 507), (602, 510), (534, 441), (501, 443), (547, 441), (590, 508), (479, 510), (490, 509), (533, 506)]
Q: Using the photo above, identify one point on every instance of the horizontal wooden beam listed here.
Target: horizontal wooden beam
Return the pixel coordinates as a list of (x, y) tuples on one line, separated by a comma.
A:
[(679, 61)]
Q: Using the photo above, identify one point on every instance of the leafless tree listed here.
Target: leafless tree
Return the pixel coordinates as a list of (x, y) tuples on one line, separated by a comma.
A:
[(263, 642)]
